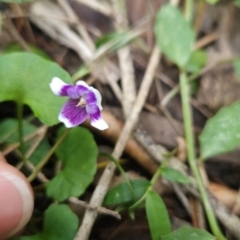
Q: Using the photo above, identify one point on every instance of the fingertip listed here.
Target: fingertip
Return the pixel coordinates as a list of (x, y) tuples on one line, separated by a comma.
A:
[(16, 200), (2, 158)]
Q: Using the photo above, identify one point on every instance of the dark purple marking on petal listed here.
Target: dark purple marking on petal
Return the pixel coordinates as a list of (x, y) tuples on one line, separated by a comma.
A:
[(75, 114)]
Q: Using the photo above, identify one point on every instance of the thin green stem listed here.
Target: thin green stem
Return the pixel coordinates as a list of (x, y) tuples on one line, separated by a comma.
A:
[(189, 10), (153, 180), (155, 176), (187, 117), (121, 171), (20, 130), (46, 158)]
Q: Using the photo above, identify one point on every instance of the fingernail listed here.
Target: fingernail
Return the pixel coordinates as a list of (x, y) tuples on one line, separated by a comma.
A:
[(16, 204)]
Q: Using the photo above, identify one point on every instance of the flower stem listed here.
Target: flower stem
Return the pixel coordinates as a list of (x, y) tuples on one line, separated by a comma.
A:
[(118, 165), (187, 117), (189, 10), (46, 158), (20, 130), (152, 182)]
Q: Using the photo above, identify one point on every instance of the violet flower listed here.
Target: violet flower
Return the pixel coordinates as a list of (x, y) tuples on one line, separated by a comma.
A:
[(83, 102)]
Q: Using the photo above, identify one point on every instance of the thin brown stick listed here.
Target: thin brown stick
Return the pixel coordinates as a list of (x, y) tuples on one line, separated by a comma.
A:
[(100, 210), (13, 146), (102, 187), (206, 40)]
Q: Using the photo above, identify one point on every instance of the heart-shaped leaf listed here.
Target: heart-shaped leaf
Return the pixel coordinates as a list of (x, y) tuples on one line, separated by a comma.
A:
[(78, 152), (222, 132), (174, 35), (25, 78), (60, 223)]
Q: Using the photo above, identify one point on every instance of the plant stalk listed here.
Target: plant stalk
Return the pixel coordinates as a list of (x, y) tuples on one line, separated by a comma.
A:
[(20, 130), (189, 10), (46, 158), (187, 118)]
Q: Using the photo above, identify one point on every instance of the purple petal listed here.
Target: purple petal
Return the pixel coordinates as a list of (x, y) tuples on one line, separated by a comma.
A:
[(90, 98), (60, 88), (93, 96), (96, 119), (71, 114), (82, 88)]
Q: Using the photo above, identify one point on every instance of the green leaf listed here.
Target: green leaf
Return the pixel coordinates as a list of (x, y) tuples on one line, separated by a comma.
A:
[(60, 223), (117, 40), (9, 134), (212, 1), (174, 175), (78, 152), (197, 61), (222, 132), (40, 152), (13, 48), (25, 78), (157, 216), (9, 130), (185, 233), (122, 194), (237, 3), (174, 35)]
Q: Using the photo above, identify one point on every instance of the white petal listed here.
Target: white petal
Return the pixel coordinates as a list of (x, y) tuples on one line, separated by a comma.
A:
[(66, 121), (98, 97), (99, 124), (56, 85), (82, 83)]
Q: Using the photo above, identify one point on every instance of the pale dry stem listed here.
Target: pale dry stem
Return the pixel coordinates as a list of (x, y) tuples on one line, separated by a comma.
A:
[(125, 60), (14, 146), (102, 7), (100, 210), (102, 187), (78, 25)]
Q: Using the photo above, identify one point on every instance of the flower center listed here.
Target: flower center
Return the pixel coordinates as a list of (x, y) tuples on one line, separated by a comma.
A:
[(81, 103)]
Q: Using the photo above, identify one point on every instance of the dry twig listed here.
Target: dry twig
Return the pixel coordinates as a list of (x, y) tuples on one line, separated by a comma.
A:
[(98, 6), (100, 210), (125, 60), (105, 179)]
